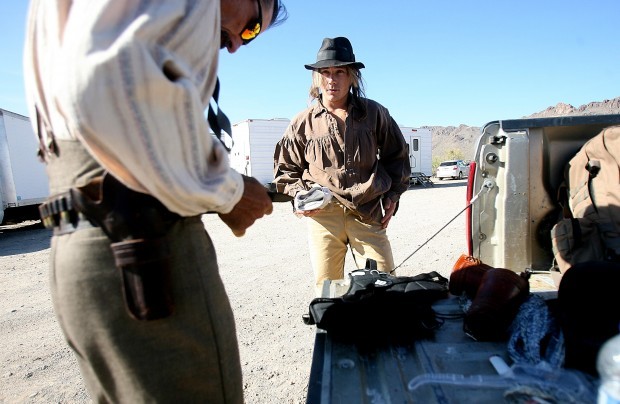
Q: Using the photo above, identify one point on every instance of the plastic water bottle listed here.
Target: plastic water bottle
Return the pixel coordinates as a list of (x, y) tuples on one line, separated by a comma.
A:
[(608, 366)]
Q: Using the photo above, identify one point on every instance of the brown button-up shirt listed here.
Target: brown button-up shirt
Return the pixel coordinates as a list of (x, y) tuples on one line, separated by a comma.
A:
[(360, 166)]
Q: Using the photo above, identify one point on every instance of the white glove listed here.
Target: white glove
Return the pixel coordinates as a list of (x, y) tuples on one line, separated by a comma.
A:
[(314, 198)]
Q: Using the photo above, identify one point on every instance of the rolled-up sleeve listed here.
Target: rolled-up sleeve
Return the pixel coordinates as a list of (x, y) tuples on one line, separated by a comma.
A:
[(394, 155), (290, 161), (395, 159), (133, 85)]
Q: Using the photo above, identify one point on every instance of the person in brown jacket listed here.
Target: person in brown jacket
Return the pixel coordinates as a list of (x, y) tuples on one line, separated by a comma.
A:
[(352, 149)]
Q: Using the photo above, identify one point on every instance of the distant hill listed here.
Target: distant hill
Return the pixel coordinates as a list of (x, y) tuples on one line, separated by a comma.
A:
[(451, 140), (593, 108)]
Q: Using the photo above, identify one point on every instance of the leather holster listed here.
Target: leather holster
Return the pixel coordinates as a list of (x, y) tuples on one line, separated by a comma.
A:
[(137, 225)]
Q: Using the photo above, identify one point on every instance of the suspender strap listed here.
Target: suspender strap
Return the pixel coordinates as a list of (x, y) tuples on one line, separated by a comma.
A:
[(219, 121), (44, 150)]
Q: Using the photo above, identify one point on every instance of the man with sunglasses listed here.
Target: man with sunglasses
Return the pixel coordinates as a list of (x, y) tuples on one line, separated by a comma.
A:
[(118, 91)]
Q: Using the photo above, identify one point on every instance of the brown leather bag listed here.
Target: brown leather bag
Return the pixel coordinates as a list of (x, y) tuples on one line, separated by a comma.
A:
[(496, 294), (496, 304), (466, 275)]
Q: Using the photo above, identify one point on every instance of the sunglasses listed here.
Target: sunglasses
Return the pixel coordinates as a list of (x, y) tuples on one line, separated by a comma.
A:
[(253, 28)]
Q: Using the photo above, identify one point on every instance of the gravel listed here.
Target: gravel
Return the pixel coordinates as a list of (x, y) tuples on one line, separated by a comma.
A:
[(268, 278)]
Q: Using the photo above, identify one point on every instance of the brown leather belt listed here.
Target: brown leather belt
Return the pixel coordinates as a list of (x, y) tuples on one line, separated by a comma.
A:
[(58, 214)]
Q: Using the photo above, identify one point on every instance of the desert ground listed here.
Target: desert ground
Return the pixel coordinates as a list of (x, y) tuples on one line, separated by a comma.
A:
[(268, 279)]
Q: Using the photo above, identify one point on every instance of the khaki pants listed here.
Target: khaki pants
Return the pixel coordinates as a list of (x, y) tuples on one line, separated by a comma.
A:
[(329, 234)]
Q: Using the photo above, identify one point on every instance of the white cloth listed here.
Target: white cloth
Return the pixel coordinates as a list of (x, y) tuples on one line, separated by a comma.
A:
[(314, 198), (131, 80)]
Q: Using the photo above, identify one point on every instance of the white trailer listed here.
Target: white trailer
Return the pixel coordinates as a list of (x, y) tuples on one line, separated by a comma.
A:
[(420, 141), (254, 142), (23, 180)]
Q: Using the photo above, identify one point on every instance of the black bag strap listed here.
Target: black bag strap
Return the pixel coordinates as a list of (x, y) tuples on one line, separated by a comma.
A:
[(218, 121), (433, 276)]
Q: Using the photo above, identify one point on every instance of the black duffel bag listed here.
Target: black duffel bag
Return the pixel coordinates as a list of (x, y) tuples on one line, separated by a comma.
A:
[(379, 306)]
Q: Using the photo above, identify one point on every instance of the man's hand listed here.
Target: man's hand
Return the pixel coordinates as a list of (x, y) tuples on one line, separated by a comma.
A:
[(388, 207), (254, 204)]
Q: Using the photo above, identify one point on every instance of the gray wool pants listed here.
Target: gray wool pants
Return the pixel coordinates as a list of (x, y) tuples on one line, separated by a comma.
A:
[(191, 356)]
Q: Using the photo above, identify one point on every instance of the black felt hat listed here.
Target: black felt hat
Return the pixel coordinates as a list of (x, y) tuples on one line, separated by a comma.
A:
[(335, 52)]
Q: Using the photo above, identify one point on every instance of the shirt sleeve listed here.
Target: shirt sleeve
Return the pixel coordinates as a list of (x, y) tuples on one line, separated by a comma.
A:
[(133, 85), (290, 162), (394, 156)]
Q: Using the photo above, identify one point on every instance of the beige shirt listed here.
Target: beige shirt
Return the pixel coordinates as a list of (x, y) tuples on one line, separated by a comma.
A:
[(131, 80), (360, 166)]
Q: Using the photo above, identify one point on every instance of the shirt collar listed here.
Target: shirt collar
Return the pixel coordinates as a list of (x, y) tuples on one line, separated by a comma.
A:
[(354, 111), (318, 109)]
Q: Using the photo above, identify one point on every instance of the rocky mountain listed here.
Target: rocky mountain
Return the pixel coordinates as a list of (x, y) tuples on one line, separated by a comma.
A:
[(459, 141), (593, 108)]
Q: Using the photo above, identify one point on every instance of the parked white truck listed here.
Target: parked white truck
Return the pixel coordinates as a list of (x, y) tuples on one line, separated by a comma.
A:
[(23, 181)]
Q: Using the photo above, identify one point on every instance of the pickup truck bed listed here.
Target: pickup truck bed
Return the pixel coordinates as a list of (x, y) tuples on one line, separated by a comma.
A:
[(518, 168), (350, 373)]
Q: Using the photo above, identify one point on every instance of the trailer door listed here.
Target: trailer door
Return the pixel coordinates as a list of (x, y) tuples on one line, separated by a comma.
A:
[(415, 157)]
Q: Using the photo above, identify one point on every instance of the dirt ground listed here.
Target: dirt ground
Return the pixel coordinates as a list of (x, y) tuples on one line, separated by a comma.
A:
[(268, 278)]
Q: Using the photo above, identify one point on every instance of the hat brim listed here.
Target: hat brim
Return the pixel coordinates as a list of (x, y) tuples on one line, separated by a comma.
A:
[(334, 63)]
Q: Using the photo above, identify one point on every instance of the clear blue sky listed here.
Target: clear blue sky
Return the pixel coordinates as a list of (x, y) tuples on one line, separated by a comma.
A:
[(439, 62)]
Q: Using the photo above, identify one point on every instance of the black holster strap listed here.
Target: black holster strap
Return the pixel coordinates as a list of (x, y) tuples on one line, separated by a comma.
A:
[(123, 214)]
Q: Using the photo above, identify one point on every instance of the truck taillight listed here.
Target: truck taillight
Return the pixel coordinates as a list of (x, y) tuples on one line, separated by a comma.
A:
[(468, 196)]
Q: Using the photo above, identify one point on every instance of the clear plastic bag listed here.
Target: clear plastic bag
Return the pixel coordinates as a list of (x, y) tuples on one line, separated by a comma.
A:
[(540, 381)]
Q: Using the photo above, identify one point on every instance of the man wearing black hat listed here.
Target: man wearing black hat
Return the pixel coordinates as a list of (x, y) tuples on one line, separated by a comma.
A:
[(352, 148)]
